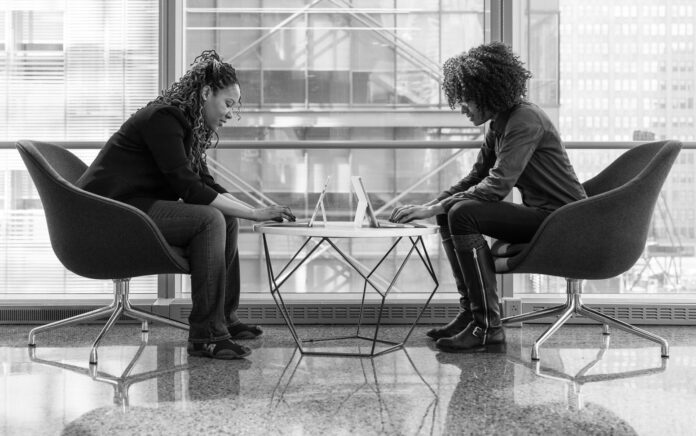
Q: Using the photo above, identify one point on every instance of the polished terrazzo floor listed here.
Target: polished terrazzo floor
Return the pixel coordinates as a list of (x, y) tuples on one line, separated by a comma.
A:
[(585, 384)]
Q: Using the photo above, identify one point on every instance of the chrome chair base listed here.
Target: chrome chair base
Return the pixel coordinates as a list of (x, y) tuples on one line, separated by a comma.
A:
[(120, 306), (575, 306)]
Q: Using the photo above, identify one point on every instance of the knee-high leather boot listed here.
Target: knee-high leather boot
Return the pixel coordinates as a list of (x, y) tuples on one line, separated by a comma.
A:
[(476, 262), (464, 317)]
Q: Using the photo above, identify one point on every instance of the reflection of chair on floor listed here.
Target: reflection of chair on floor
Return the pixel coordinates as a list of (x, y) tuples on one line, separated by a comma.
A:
[(581, 378), (96, 237), (278, 394), (596, 238), (122, 383)]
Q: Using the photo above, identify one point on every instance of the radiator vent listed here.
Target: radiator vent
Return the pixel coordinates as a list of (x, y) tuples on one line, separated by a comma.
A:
[(41, 315), (667, 314), (338, 313), (324, 313)]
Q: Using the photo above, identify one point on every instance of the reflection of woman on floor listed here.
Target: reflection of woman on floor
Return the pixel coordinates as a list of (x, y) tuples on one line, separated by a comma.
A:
[(490, 400), (521, 149), (156, 162)]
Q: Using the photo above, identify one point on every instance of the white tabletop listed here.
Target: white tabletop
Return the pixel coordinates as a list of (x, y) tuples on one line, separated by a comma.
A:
[(345, 229)]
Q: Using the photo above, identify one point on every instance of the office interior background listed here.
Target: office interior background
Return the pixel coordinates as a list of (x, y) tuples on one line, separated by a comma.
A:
[(341, 88)]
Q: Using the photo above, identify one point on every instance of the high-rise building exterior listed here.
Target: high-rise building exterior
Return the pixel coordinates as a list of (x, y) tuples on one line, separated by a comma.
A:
[(627, 74)]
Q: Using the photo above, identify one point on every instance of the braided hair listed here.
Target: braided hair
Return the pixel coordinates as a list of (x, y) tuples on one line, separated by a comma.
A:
[(490, 75), (206, 69)]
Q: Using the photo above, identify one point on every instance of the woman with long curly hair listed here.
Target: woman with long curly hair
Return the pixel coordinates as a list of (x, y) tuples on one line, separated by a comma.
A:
[(521, 149), (156, 162)]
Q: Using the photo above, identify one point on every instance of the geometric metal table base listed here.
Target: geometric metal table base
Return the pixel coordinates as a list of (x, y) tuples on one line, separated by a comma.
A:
[(119, 306), (575, 306), (276, 281)]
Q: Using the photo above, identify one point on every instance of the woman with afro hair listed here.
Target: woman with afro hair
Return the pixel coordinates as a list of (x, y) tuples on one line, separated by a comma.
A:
[(156, 162), (521, 149)]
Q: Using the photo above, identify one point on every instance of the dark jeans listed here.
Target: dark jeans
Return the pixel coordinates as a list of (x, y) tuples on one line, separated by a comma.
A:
[(510, 222), (210, 240)]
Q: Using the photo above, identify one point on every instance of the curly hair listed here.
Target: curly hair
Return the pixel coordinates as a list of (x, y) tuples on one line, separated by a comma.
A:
[(490, 75), (206, 69)]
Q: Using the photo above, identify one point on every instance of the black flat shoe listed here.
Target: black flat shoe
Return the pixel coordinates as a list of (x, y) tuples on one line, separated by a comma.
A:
[(244, 331), (224, 349)]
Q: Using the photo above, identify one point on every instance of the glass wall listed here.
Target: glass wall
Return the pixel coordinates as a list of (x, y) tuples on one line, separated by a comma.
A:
[(625, 72), (363, 78), (338, 70), (69, 71)]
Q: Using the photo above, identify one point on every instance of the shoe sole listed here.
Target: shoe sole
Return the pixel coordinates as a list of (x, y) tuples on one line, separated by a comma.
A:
[(437, 335), (490, 348), (219, 356)]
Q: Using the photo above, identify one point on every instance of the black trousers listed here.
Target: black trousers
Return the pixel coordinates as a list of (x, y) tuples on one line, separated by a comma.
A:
[(510, 222)]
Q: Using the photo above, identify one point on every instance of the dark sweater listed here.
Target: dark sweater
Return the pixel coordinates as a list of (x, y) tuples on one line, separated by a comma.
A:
[(522, 149), (148, 159)]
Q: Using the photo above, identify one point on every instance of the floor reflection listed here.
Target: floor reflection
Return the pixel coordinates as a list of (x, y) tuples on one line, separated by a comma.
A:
[(121, 384), (576, 381), (153, 387), (387, 391)]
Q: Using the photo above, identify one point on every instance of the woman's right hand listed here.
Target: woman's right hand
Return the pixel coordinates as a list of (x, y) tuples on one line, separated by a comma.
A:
[(276, 212)]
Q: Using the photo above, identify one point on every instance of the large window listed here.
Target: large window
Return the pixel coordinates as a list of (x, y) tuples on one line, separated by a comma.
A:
[(348, 72), (624, 71), (338, 69), (69, 71)]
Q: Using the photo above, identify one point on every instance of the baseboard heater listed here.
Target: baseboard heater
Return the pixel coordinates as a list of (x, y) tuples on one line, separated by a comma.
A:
[(349, 313)]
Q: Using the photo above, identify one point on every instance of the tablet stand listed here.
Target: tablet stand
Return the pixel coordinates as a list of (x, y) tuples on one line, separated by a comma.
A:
[(360, 211)]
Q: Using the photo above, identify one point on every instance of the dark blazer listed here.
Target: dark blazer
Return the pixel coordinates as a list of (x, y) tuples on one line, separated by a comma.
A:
[(148, 159)]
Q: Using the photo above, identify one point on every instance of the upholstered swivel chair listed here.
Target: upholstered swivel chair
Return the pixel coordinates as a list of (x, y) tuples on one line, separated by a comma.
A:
[(596, 238), (96, 237)]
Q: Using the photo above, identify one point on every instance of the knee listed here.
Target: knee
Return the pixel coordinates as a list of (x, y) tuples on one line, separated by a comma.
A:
[(462, 217), (212, 217), (461, 211)]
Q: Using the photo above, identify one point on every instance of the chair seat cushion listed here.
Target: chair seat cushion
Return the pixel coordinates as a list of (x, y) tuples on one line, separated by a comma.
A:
[(506, 249), (179, 250), (502, 252)]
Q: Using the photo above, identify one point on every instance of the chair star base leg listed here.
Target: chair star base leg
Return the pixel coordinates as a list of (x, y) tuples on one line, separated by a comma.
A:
[(607, 320), (119, 307), (575, 306)]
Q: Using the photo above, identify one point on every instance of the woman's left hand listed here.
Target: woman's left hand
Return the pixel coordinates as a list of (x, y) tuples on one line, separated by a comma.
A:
[(410, 212)]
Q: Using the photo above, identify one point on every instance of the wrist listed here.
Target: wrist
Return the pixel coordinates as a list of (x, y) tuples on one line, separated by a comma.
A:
[(436, 209)]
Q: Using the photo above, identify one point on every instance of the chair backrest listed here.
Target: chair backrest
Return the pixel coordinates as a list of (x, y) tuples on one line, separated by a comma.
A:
[(604, 235), (62, 161), (626, 167), (94, 236)]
